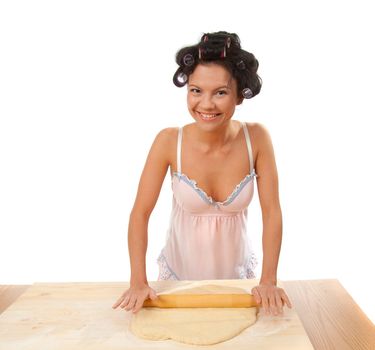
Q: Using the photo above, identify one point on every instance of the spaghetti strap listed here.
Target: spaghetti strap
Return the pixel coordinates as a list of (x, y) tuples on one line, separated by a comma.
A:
[(179, 150), (248, 143)]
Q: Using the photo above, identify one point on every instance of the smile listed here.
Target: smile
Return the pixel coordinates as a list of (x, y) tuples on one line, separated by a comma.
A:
[(205, 116)]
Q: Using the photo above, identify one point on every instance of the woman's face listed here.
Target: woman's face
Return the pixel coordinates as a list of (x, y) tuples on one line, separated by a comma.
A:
[(212, 95)]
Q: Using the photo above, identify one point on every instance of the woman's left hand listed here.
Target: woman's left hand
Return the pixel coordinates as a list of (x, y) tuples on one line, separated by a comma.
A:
[(271, 297)]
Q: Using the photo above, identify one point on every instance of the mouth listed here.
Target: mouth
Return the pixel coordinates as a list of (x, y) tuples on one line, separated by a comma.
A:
[(208, 116)]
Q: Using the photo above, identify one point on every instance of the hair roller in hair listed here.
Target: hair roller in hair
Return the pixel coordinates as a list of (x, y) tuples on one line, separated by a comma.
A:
[(180, 78), (247, 93), (188, 60)]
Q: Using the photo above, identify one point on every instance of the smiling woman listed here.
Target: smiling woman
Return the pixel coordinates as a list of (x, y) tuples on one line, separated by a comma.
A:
[(212, 93), (207, 235)]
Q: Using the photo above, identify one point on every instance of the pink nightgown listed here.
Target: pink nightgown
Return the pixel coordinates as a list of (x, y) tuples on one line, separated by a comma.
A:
[(208, 239)]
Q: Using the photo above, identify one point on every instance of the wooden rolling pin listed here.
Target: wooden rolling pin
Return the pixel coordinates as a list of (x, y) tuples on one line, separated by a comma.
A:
[(202, 300)]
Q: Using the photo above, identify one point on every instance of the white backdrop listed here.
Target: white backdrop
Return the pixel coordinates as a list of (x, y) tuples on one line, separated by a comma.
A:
[(86, 85)]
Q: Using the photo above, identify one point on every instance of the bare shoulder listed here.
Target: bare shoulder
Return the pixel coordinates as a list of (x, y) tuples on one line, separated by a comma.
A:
[(164, 138), (154, 171), (166, 134), (258, 131), (260, 138), (165, 141), (159, 153), (266, 169)]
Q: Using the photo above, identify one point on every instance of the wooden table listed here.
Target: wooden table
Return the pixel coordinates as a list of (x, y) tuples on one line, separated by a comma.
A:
[(331, 318)]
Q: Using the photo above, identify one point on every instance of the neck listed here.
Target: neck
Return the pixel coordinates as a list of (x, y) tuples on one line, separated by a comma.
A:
[(217, 139)]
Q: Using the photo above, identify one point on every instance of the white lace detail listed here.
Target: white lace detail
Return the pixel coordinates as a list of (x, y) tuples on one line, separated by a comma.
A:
[(248, 271), (208, 198), (165, 272)]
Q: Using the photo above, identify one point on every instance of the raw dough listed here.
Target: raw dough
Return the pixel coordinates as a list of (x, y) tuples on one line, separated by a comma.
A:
[(198, 326)]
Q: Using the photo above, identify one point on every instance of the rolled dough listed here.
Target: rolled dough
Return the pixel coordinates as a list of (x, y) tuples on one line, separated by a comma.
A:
[(197, 326)]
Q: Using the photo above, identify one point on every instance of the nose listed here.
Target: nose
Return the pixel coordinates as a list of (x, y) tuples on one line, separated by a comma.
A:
[(207, 103)]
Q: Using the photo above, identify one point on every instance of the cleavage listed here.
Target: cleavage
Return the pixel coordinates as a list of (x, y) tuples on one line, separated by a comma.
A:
[(213, 194)]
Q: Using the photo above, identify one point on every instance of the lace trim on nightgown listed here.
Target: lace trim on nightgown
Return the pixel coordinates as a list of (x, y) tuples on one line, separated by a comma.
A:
[(245, 272), (208, 198), (165, 272), (248, 271)]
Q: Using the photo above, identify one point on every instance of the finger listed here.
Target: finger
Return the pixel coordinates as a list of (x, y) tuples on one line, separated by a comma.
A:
[(286, 299), (257, 296), (125, 301), (153, 295), (138, 305), (131, 303), (279, 304), (119, 301), (265, 303), (272, 301)]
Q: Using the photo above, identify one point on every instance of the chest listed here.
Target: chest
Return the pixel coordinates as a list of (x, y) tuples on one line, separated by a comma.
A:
[(215, 173)]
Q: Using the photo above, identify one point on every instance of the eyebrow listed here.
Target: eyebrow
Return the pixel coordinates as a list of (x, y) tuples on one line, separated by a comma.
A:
[(221, 87)]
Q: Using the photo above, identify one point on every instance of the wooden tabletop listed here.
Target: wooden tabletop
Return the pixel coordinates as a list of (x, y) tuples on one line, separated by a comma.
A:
[(328, 313)]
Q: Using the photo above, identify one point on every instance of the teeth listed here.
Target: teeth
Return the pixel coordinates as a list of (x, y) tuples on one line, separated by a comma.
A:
[(208, 116)]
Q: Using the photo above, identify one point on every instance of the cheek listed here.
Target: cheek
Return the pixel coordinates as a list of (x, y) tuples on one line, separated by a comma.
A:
[(191, 101), (225, 104)]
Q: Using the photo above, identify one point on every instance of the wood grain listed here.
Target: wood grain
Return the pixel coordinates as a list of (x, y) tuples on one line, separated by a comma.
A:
[(9, 294), (330, 316)]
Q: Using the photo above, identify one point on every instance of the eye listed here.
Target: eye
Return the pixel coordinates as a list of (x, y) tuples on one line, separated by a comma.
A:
[(194, 90), (224, 92)]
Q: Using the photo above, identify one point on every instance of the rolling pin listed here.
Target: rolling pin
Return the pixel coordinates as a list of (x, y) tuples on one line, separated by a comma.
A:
[(202, 301)]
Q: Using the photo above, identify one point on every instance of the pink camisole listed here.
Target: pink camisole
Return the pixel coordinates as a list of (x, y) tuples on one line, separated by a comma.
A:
[(207, 239)]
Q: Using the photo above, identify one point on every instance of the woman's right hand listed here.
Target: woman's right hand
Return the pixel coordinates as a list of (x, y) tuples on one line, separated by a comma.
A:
[(134, 297)]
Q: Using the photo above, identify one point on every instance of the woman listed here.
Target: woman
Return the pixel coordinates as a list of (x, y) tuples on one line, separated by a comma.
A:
[(213, 162)]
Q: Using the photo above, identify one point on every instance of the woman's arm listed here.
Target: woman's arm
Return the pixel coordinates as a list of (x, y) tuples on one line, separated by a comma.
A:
[(268, 189), (149, 187)]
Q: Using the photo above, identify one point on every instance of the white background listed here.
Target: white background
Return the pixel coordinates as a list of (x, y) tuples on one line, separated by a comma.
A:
[(86, 85)]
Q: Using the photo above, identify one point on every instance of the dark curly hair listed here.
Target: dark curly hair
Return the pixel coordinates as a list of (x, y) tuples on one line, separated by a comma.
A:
[(222, 48)]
